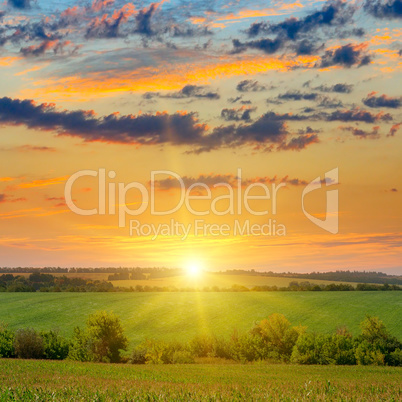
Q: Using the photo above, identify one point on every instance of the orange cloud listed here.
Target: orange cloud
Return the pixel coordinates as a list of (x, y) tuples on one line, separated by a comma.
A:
[(173, 77), (8, 61), (43, 182), (30, 70)]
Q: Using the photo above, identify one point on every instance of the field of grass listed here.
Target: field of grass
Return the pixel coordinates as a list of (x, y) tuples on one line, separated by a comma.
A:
[(220, 280), (207, 279), (24, 380), (181, 316)]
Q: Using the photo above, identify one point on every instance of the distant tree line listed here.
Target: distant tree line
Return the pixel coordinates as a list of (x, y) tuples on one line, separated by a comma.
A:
[(337, 276), (137, 272), (273, 339), (39, 282)]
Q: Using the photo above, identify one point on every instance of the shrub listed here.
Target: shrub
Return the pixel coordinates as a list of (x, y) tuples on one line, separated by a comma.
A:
[(28, 344), (139, 355), (55, 346), (376, 345), (202, 346), (106, 337), (368, 354), (6, 342), (182, 357), (313, 348), (245, 347), (80, 347), (278, 337)]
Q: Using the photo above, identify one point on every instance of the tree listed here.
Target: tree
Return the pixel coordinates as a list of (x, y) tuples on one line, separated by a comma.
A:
[(106, 337), (277, 335), (28, 344)]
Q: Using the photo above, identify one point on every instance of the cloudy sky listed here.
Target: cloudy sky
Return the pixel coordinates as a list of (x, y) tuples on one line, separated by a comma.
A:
[(283, 90)]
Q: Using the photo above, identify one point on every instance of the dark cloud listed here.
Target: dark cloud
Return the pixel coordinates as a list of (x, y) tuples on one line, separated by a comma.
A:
[(307, 47), (21, 4), (298, 96), (250, 86), (2, 198), (106, 27), (394, 190), (334, 13), (188, 91), (339, 88), (211, 180), (384, 8), (374, 134), (57, 47), (268, 46), (357, 115), (184, 31), (300, 142), (346, 56), (382, 101), (143, 21), (241, 114), (269, 131), (178, 128), (329, 103)]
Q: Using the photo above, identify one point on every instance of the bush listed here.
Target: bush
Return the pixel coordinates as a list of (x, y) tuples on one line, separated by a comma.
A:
[(202, 346), (138, 356), (376, 345), (6, 342), (28, 344), (245, 347), (80, 347), (106, 336), (55, 346), (160, 352), (278, 337), (182, 357), (368, 354), (313, 348)]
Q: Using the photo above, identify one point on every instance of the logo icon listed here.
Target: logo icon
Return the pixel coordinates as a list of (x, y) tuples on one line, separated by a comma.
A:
[(330, 223)]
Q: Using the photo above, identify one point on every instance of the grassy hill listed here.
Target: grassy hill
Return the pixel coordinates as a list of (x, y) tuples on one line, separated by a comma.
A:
[(183, 315)]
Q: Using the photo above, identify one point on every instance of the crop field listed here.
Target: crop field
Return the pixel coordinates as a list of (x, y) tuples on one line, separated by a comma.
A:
[(182, 315), (25, 380), (207, 279), (220, 280)]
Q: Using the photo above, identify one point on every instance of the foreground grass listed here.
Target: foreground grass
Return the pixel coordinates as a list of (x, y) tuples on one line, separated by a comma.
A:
[(181, 316), (24, 380)]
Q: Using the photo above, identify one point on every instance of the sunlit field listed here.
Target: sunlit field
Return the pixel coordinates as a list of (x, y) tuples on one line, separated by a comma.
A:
[(49, 381), (181, 316)]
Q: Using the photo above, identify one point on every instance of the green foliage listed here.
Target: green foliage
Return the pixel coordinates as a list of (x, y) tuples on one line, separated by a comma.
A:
[(107, 337), (245, 347), (80, 348), (277, 336), (376, 345), (160, 352), (55, 346), (6, 342), (368, 354), (312, 348), (101, 341), (202, 346), (28, 344), (138, 355)]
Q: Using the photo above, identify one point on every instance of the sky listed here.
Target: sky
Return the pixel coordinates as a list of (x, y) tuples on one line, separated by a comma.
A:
[(124, 123)]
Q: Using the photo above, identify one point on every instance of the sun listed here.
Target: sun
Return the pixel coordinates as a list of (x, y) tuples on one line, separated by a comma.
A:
[(194, 269)]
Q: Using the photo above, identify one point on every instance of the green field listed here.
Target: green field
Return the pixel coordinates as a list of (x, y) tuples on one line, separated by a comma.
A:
[(181, 316), (50, 381)]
